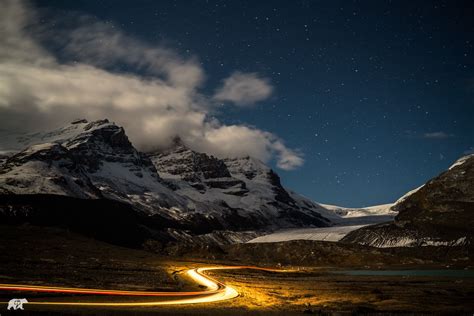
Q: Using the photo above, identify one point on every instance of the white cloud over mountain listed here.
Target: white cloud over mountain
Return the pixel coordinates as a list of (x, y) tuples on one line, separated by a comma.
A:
[(156, 99)]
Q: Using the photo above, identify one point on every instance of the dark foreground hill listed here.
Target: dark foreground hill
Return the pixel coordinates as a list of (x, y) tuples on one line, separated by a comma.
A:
[(440, 213)]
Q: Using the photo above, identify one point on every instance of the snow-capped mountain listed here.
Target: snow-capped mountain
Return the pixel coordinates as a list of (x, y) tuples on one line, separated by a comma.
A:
[(185, 191), (179, 193), (85, 160), (362, 216), (47, 168), (348, 212), (241, 186), (441, 212)]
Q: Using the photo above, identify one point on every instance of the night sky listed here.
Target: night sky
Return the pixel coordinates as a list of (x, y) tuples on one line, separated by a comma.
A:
[(377, 95)]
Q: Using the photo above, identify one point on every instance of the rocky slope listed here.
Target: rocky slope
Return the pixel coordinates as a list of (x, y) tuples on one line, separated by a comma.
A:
[(86, 160), (244, 187), (178, 192), (439, 213)]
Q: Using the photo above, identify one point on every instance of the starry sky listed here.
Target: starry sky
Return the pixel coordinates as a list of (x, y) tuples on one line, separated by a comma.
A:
[(377, 95)]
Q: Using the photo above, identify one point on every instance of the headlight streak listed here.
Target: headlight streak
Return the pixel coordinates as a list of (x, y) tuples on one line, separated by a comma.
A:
[(215, 291)]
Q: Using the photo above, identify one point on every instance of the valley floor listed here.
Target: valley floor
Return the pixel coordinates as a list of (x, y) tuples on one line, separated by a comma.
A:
[(54, 257)]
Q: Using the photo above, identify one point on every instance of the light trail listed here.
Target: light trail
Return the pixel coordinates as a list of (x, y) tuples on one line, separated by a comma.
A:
[(215, 291)]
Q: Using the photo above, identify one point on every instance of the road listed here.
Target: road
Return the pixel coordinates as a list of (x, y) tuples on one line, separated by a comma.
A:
[(214, 291)]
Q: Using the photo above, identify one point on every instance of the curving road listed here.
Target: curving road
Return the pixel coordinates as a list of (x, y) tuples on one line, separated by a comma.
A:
[(215, 291)]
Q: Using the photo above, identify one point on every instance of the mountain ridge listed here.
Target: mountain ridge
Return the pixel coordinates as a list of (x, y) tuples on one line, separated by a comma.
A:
[(96, 160), (183, 195), (438, 213)]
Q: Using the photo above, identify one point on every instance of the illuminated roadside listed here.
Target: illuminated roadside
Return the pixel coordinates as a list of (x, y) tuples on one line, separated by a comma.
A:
[(215, 291)]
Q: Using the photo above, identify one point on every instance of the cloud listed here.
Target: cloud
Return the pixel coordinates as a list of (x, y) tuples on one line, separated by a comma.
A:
[(101, 44), (288, 159), (244, 89), (437, 135), (156, 99), (15, 44), (251, 141)]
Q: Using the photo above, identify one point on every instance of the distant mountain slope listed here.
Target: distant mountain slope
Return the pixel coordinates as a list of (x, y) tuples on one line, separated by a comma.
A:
[(439, 213), (244, 186), (88, 160), (349, 212), (190, 192)]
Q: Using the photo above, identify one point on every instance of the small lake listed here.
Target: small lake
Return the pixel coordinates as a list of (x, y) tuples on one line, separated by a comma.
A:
[(422, 273)]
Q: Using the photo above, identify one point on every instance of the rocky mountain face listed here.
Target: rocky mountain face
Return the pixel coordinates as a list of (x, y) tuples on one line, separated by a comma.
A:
[(242, 187), (46, 168), (177, 193), (89, 172), (85, 160), (439, 213)]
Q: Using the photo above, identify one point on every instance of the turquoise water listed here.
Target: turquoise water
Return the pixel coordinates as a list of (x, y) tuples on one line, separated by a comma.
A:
[(439, 273)]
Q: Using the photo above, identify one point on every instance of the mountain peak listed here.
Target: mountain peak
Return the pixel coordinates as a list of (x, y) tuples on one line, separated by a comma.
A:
[(177, 142), (101, 131), (90, 159), (79, 121), (180, 161)]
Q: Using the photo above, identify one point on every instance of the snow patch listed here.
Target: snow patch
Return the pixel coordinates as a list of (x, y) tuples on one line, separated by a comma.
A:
[(461, 161), (413, 242)]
